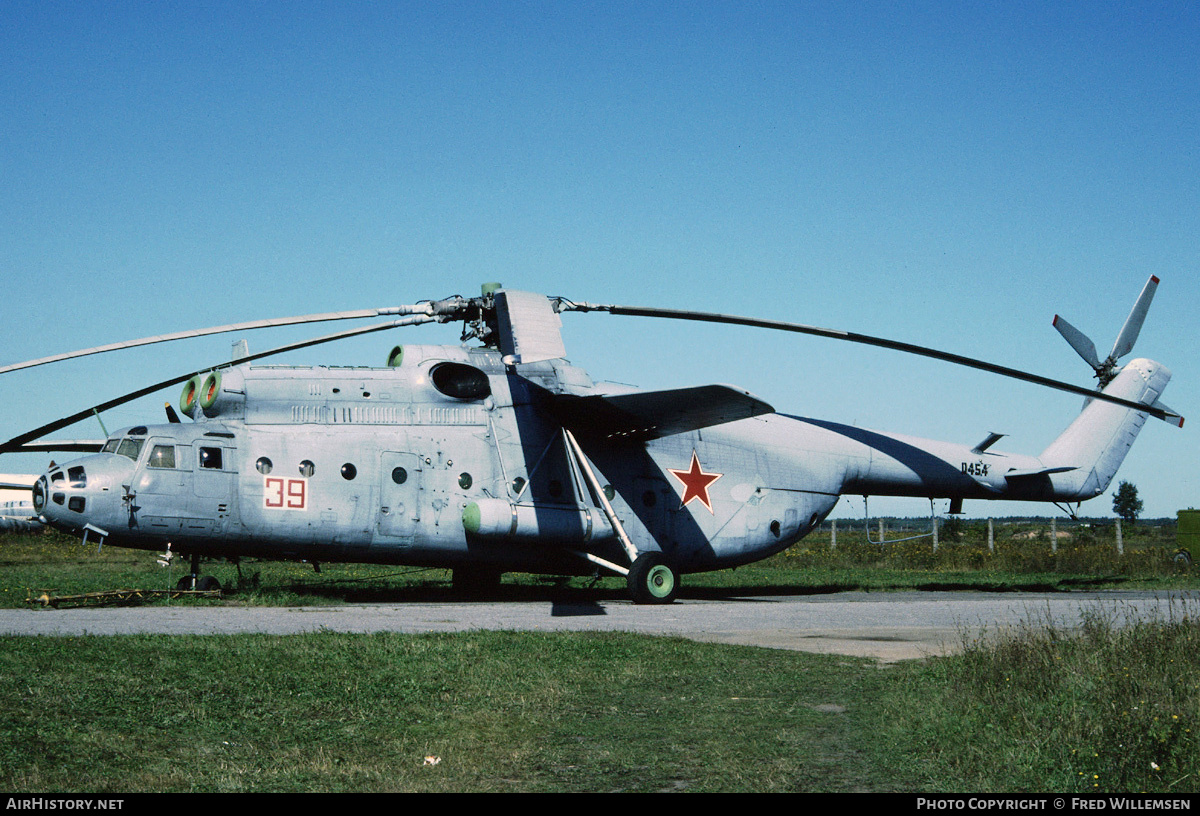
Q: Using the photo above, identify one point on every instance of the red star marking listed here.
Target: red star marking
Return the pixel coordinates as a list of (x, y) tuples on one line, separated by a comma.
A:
[(695, 482)]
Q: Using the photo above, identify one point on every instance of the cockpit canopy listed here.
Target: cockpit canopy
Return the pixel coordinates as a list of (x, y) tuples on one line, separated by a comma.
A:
[(127, 443)]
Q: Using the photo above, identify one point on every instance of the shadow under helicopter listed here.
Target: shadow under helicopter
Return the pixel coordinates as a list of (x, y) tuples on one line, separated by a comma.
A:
[(568, 600)]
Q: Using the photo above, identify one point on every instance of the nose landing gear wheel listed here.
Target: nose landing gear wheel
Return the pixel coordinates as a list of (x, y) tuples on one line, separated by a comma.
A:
[(651, 580)]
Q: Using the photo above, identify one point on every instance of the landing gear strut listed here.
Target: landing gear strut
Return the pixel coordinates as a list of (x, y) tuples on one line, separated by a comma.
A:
[(651, 579), (196, 581)]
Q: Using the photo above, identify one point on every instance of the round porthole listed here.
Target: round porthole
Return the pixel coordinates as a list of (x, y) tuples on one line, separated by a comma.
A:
[(465, 481), (349, 471), (263, 465), (399, 475), (307, 468)]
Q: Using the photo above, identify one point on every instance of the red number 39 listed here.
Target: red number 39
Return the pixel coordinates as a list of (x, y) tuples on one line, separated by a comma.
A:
[(286, 494)]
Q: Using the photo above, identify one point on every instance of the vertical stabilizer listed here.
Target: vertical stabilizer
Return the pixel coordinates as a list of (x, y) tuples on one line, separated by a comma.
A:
[(1095, 444)]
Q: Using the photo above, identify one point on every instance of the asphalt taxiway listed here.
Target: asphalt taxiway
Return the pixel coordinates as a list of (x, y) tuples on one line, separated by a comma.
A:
[(885, 626)]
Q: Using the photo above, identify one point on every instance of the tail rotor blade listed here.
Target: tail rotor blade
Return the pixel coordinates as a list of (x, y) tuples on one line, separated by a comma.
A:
[(1079, 341), (1133, 324)]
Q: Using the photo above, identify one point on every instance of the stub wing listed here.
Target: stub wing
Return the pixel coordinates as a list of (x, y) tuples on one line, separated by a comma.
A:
[(652, 414)]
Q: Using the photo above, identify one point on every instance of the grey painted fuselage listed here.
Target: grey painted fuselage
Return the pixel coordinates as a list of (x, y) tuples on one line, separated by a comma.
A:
[(454, 458)]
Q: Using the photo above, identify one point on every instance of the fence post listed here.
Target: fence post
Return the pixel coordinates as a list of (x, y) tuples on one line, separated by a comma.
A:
[(1053, 535), (1120, 543), (991, 537), (833, 535), (935, 534)]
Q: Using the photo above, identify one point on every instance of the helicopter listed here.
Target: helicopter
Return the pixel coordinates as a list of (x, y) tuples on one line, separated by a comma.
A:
[(499, 455)]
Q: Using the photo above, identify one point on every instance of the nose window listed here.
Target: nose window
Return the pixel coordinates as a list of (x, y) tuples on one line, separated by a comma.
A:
[(78, 477)]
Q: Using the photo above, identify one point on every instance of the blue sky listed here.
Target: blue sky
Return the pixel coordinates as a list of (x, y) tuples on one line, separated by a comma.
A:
[(948, 174)]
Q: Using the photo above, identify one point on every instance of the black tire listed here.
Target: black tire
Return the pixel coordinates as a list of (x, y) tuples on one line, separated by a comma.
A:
[(1183, 558), (652, 580), (199, 583), (208, 583)]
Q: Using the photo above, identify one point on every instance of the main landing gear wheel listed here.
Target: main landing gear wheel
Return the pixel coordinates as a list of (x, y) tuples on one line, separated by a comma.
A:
[(651, 580), (199, 583)]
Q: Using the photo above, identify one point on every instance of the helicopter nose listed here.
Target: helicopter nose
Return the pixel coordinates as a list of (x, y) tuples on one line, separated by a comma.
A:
[(85, 491)]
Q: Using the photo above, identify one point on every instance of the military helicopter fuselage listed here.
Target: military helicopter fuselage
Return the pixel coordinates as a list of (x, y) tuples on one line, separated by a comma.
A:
[(445, 458)]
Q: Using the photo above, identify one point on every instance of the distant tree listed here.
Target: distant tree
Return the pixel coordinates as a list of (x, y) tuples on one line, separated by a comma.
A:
[(1126, 503), (953, 527)]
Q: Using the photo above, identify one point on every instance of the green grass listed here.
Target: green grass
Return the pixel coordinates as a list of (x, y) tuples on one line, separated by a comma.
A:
[(500, 711), (1105, 708), (1097, 711), (1021, 559), (1102, 709)]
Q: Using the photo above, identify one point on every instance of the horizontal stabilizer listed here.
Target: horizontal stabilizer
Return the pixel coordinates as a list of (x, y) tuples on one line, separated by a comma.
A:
[(653, 414), (1046, 471), (992, 439)]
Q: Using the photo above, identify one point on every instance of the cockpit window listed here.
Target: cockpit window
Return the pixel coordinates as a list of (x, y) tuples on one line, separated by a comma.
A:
[(111, 445), (130, 447), (162, 456)]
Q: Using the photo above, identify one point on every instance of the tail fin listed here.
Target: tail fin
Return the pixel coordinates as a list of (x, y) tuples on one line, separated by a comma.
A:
[(1095, 444)]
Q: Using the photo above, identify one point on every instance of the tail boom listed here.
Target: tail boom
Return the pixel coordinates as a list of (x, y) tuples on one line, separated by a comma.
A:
[(1078, 465)]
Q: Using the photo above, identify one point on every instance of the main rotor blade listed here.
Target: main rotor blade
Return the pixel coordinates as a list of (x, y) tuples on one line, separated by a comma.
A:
[(17, 485), (1133, 323), (232, 327), (1079, 341), (800, 328), (16, 442)]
